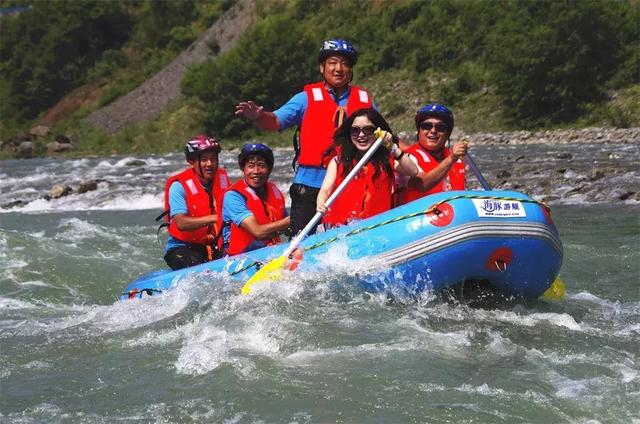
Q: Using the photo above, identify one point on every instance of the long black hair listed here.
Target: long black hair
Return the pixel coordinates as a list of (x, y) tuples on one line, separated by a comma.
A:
[(350, 154)]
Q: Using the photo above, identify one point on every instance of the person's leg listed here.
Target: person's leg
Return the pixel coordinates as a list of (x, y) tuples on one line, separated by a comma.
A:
[(186, 256), (303, 206)]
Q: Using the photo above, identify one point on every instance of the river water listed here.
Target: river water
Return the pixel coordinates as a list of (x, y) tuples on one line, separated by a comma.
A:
[(312, 350)]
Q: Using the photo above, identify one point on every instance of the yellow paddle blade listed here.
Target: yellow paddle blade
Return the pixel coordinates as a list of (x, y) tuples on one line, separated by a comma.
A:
[(556, 291), (271, 271)]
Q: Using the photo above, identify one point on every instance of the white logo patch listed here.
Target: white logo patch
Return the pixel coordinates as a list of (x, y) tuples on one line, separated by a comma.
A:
[(497, 208)]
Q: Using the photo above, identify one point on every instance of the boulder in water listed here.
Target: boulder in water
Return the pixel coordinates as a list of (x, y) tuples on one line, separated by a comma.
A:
[(58, 191), (90, 185), (136, 162)]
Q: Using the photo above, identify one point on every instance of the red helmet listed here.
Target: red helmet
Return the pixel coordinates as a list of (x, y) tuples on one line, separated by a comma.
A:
[(200, 144)]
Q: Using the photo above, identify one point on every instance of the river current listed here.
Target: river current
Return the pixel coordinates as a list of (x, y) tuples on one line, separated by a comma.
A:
[(312, 350)]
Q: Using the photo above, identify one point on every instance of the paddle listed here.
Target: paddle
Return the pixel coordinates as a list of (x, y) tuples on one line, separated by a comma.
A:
[(556, 290), (273, 269)]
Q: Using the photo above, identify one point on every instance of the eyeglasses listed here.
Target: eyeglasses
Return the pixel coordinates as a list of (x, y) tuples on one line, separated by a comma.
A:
[(439, 126), (367, 131)]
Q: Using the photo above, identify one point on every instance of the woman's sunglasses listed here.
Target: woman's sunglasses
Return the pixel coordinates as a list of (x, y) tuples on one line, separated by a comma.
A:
[(440, 127), (367, 131)]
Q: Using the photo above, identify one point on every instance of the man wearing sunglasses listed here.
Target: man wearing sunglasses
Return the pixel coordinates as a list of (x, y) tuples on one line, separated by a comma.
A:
[(317, 111), (440, 168)]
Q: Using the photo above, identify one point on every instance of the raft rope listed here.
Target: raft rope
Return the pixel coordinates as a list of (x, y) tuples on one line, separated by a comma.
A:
[(432, 209)]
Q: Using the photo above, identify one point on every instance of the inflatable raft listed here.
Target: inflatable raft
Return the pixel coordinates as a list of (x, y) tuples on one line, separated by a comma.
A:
[(503, 238)]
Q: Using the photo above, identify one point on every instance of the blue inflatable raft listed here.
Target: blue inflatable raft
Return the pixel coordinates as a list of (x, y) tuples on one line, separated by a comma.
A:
[(503, 238)]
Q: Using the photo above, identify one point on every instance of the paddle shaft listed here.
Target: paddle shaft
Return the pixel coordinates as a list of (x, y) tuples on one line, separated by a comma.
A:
[(474, 168), (316, 218)]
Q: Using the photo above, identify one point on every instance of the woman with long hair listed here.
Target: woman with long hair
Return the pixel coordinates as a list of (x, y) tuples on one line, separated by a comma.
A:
[(370, 192)]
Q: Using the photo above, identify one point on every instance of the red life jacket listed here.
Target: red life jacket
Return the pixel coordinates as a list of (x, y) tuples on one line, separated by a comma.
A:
[(199, 203), (265, 212), (364, 196), (454, 180), (322, 117)]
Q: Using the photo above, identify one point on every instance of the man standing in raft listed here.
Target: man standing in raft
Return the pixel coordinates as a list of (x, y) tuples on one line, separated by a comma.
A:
[(440, 168), (253, 207), (317, 110), (193, 205)]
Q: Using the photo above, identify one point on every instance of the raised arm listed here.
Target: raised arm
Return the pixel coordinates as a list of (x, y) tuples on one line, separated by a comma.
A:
[(263, 119)]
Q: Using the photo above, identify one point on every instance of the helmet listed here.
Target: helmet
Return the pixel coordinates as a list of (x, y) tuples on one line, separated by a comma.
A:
[(199, 144), (437, 110), (338, 46), (255, 149)]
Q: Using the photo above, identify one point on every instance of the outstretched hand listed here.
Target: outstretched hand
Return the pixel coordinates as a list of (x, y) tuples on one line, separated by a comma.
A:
[(249, 110)]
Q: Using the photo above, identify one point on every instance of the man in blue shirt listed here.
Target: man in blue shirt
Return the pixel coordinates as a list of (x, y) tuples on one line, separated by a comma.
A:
[(193, 206), (253, 209), (317, 111)]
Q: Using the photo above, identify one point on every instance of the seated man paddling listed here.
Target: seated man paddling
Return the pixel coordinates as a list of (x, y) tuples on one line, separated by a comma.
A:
[(254, 210), (193, 206), (440, 168)]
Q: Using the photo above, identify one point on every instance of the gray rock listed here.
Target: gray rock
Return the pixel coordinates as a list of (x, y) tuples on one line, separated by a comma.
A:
[(25, 150), (40, 131), (57, 147), (59, 190), (136, 163), (90, 185), (503, 174), (13, 204), (595, 174)]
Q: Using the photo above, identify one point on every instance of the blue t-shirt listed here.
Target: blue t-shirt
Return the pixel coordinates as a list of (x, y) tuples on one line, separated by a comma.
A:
[(235, 210), (290, 114)]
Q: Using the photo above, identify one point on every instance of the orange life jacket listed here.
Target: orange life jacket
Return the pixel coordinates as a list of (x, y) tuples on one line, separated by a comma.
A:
[(199, 203), (364, 196), (322, 117), (271, 210), (454, 180)]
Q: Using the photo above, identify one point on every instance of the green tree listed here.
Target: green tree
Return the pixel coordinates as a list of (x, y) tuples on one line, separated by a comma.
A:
[(552, 59), (46, 51), (268, 65)]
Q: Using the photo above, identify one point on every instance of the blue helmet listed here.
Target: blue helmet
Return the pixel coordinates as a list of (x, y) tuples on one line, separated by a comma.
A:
[(437, 110), (338, 46), (259, 149)]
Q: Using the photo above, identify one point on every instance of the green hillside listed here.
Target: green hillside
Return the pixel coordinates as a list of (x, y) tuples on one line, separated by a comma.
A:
[(500, 65)]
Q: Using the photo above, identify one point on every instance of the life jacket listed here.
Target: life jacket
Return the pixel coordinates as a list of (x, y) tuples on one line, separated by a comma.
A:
[(364, 196), (321, 118), (271, 210), (454, 179), (199, 203)]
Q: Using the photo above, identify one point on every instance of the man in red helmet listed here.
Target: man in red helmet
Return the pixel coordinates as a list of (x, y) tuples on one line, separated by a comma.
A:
[(193, 204), (317, 111), (440, 168)]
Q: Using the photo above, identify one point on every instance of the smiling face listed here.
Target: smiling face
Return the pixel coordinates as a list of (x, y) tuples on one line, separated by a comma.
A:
[(362, 135), (205, 165), (432, 134), (256, 171), (336, 71)]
